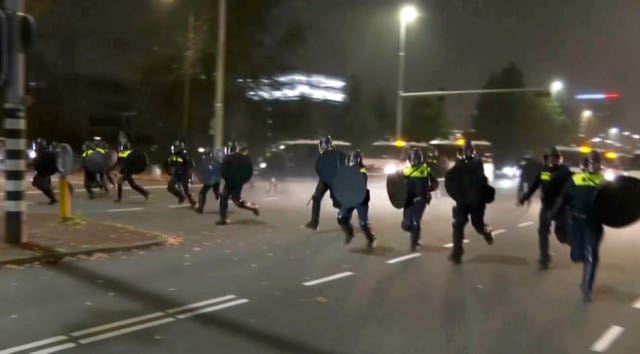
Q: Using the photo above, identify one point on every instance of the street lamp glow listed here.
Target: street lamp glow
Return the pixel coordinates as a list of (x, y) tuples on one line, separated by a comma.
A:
[(556, 87), (586, 114), (408, 14), (614, 131)]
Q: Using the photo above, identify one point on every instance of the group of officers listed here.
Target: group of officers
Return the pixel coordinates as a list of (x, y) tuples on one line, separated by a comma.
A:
[(566, 198)]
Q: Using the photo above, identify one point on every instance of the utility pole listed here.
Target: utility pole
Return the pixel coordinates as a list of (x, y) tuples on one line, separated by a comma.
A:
[(187, 76), (18, 33), (218, 118)]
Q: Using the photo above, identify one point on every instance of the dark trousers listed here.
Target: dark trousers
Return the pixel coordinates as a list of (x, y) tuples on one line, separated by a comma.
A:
[(94, 179), (202, 195), (127, 177), (585, 245), (321, 190), (344, 219), (412, 218), (461, 213), (561, 229), (43, 183), (179, 187), (235, 193)]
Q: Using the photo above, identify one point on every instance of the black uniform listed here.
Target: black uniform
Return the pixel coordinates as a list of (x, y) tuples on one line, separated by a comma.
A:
[(420, 184), (179, 183), (213, 184), (42, 179), (127, 176), (552, 180), (232, 189), (92, 179), (469, 190), (345, 213)]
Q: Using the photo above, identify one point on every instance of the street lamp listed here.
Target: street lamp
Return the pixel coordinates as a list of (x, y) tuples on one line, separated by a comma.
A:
[(585, 115), (556, 87), (407, 14)]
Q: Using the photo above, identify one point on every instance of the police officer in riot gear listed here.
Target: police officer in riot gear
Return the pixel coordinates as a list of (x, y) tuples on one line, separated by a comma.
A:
[(40, 181), (345, 213), (420, 183), (551, 180), (586, 229), (469, 188), (233, 189), (325, 144), (93, 178), (123, 151), (218, 155), (179, 183)]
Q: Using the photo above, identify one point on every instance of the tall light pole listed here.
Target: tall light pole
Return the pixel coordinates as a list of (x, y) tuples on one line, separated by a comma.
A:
[(218, 118), (407, 14), (585, 115), (188, 63)]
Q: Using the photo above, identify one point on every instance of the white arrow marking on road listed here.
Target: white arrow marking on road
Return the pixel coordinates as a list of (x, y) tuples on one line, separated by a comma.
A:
[(55, 349), (525, 224), (404, 258), (329, 278), (636, 303), (125, 209), (607, 338), (33, 345)]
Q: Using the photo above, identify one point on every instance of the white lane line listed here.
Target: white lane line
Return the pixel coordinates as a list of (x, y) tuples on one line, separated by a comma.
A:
[(449, 245), (498, 232), (607, 338), (55, 349), (636, 303), (525, 224), (212, 308), (78, 190), (125, 209), (116, 324), (329, 278), (179, 206), (270, 198), (126, 330), (33, 344), (201, 303), (404, 258)]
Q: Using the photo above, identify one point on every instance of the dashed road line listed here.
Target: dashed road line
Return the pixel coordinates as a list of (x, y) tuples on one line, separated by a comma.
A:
[(607, 338), (329, 278), (404, 258), (449, 245), (124, 209), (212, 308), (200, 304), (524, 224), (173, 206), (33, 344), (498, 232), (636, 303)]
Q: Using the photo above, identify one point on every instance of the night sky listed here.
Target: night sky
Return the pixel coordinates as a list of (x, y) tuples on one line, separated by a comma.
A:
[(590, 44)]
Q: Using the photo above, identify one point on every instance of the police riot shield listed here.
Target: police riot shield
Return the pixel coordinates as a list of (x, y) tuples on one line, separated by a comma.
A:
[(617, 203), (208, 170), (45, 163), (328, 163), (136, 162), (65, 159), (349, 186), (452, 181), (96, 162), (236, 169), (397, 190)]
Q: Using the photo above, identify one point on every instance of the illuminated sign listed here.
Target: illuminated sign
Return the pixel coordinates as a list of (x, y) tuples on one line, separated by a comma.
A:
[(296, 86)]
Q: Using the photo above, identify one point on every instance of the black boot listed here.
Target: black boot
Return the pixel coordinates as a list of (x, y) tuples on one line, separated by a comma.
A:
[(248, 206), (348, 233), (371, 237)]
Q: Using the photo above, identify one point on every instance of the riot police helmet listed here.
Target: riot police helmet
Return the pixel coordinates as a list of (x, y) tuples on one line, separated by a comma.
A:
[(243, 148), (325, 143), (354, 159), (468, 150), (124, 146), (231, 148), (39, 144), (553, 156), (593, 163), (178, 147), (415, 157)]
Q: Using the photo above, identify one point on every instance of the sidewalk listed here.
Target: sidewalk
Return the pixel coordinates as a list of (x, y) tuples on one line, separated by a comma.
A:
[(50, 240)]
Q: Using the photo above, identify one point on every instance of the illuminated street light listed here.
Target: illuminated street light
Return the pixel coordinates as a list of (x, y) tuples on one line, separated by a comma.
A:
[(407, 14), (585, 116), (556, 87)]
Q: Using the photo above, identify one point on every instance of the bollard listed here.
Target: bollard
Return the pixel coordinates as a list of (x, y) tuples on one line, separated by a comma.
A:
[(64, 198)]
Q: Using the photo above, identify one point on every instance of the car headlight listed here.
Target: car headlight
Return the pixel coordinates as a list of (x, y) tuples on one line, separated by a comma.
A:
[(262, 165), (32, 154), (390, 169), (609, 175)]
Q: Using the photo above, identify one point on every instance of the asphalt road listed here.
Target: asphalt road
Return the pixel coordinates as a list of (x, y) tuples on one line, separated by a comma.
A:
[(266, 285)]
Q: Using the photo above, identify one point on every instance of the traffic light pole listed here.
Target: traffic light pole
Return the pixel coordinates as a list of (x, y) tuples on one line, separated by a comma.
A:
[(15, 127)]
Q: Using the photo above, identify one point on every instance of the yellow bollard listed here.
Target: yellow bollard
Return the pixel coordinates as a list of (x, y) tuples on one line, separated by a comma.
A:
[(64, 198)]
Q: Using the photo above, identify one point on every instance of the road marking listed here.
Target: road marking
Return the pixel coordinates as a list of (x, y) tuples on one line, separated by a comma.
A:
[(607, 338), (498, 232), (33, 344), (636, 303), (179, 205), (116, 324), (404, 258), (270, 198), (449, 245), (212, 308), (125, 209), (201, 303), (55, 349), (525, 224), (329, 278), (126, 330)]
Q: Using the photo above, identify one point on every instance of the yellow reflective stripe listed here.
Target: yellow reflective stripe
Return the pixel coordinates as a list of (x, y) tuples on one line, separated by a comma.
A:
[(587, 179), (87, 153), (176, 158), (124, 153), (422, 171), (101, 150), (363, 170), (545, 176)]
